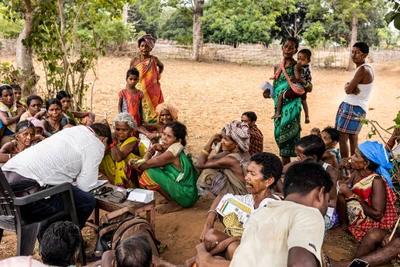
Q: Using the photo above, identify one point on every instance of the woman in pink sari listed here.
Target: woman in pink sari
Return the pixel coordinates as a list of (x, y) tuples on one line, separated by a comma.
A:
[(150, 69)]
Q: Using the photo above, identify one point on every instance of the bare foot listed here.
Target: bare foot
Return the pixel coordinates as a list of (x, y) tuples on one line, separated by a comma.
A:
[(190, 262), (170, 207), (276, 116), (307, 120), (162, 201)]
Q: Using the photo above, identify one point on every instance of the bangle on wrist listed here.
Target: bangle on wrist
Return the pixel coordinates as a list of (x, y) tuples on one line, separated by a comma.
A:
[(205, 152), (306, 85), (216, 214), (151, 150), (113, 144)]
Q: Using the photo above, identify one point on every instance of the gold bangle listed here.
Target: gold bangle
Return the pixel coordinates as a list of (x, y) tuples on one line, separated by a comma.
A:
[(306, 85), (205, 152)]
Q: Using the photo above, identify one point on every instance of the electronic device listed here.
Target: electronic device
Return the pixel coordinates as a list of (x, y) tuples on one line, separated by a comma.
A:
[(358, 263)]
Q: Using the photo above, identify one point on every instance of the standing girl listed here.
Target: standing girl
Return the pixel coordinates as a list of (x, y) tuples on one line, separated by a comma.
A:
[(130, 98)]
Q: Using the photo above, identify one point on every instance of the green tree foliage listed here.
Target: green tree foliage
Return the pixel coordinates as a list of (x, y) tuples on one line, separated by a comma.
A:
[(292, 21), (314, 35), (67, 37), (178, 25), (246, 21), (336, 16), (145, 15), (9, 28), (394, 14)]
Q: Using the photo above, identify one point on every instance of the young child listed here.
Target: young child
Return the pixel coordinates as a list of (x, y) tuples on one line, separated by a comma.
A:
[(330, 136), (17, 90), (130, 98), (302, 80)]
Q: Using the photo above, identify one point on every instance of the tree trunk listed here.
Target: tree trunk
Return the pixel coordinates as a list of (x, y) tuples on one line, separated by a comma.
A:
[(197, 30), (354, 28), (125, 14), (27, 78)]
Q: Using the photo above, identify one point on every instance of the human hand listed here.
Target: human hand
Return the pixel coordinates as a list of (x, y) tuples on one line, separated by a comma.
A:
[(345, 164), (153, 135), (356, 91), (41, 113), (345, 190), (20, 111), (316, 131), (158, 147), (385, 241)]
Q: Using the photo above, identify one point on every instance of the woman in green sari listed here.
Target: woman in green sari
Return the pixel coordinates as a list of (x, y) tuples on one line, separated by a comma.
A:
[(169, 170), (287, 128)]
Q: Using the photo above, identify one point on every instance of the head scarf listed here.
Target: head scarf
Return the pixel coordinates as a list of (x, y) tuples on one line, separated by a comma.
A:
[(36, 122), (376, 152), (170, 107), (239, 132), (149, 40)]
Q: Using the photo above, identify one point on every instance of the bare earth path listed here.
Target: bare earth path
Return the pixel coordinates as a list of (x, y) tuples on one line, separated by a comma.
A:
[(210, 95)]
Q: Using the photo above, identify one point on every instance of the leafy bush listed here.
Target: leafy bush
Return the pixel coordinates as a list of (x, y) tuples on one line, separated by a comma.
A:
[(10, 29), (328, 61)]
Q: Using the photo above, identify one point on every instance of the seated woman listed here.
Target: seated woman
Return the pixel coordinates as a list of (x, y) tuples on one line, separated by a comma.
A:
[(53, 117), (126, 147), (225, 172), (24, 137), (166, 113), (169, 170), (366, 200), (9, 113), (264, 170), (34, 103), (86, 117)]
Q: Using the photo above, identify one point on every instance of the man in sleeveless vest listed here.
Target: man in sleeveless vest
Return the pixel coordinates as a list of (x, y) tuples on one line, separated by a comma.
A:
[(355, 105)]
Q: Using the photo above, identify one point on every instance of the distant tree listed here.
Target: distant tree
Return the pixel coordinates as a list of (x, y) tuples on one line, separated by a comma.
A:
[(314, 34), (195, 7), (292, 21), (53, 30), (346, 17), (145, 15), (178, 26), (246, 21)]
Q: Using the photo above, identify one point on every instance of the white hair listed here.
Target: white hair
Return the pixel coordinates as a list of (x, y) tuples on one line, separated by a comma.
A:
[(125, 117)]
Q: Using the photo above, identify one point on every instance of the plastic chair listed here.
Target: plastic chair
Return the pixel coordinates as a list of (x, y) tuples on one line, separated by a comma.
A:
[(27, 230)]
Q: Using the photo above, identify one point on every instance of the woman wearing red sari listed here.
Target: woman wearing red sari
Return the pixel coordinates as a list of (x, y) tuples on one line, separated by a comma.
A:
[(150, 69), (366, 200)]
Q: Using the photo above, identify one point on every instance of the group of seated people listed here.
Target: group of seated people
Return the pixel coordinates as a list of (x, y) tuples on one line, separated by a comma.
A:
[(358, 196)]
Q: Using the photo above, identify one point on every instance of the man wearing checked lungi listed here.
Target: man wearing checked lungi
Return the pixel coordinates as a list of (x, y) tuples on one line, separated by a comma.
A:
[(355, 105)]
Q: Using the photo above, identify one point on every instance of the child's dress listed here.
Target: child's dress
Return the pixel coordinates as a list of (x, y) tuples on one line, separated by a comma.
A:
[(131, 104)]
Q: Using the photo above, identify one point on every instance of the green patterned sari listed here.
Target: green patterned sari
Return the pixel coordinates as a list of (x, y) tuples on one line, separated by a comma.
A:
[(287, 128)]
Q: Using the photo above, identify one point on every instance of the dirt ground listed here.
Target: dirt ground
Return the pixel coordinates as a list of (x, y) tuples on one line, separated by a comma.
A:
[(210, 95)]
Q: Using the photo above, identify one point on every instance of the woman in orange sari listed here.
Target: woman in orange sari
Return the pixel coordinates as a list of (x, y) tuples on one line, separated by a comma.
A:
[(150, 69)]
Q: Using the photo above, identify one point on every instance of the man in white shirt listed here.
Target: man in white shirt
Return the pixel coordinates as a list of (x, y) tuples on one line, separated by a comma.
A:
[(72, 155), (284, 233)]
